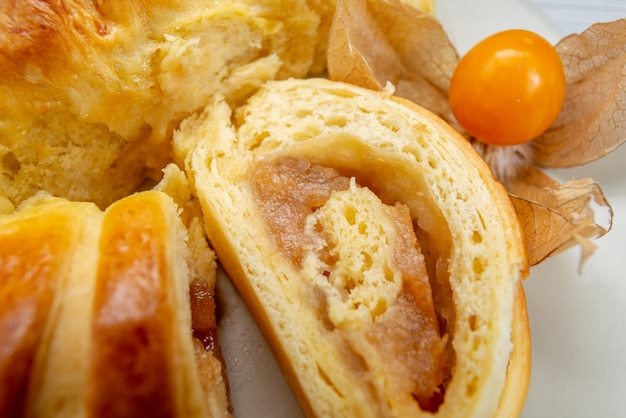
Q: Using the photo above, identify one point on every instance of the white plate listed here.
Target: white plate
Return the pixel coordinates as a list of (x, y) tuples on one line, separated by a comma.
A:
[(578, 321)]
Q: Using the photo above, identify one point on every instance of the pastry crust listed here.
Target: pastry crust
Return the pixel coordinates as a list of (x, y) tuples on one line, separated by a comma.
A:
[(37, 250), (518, 371), (98, 307), (90, 91), (464, 222)]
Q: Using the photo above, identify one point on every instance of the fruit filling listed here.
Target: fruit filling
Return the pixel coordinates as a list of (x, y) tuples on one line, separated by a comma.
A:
[(362, 256)]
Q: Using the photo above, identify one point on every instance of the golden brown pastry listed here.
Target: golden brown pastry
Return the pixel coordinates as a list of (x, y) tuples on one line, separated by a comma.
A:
[(426, 5), (377, 253), (108, 313), (90, 91)]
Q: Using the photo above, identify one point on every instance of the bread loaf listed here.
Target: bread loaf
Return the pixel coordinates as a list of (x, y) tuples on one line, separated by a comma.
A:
[(377, 253), (108, 313), (90, 91)]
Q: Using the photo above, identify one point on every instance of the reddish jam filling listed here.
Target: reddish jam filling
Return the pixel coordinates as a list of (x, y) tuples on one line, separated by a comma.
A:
[(203, 321)]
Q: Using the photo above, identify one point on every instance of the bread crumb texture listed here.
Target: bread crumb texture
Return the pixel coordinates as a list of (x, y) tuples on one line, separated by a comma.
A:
[(90, 91)]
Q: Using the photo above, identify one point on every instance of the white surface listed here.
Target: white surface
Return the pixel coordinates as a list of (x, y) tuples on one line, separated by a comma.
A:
[(467, 22), (573, 16), (578, 321)]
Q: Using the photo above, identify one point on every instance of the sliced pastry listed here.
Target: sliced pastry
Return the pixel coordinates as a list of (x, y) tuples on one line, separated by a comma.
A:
[(108, 314), (372, 245)]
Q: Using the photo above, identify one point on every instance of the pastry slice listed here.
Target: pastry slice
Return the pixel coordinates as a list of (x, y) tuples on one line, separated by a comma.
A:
[(90, 92), (108, 313), (37, 247), (372, 245)]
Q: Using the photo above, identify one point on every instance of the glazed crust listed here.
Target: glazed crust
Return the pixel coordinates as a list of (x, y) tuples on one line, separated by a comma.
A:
[(36, 251), (101, 300), (405, 154)]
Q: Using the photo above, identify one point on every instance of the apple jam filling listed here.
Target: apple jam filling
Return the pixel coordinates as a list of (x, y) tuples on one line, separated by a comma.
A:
[(366, 269)]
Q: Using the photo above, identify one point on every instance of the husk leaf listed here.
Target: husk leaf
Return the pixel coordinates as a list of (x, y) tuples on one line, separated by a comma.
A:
[(556, 216), (379, 41), (592, 122)]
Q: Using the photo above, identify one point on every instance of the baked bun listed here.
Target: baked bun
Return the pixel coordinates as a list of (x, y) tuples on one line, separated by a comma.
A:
[(372, 245), (90, 91), (107, 313)]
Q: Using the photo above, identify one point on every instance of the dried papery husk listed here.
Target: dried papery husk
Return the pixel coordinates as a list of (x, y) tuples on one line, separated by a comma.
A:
[(373, 42), (556, 216), (348, 45), (592, 122)]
